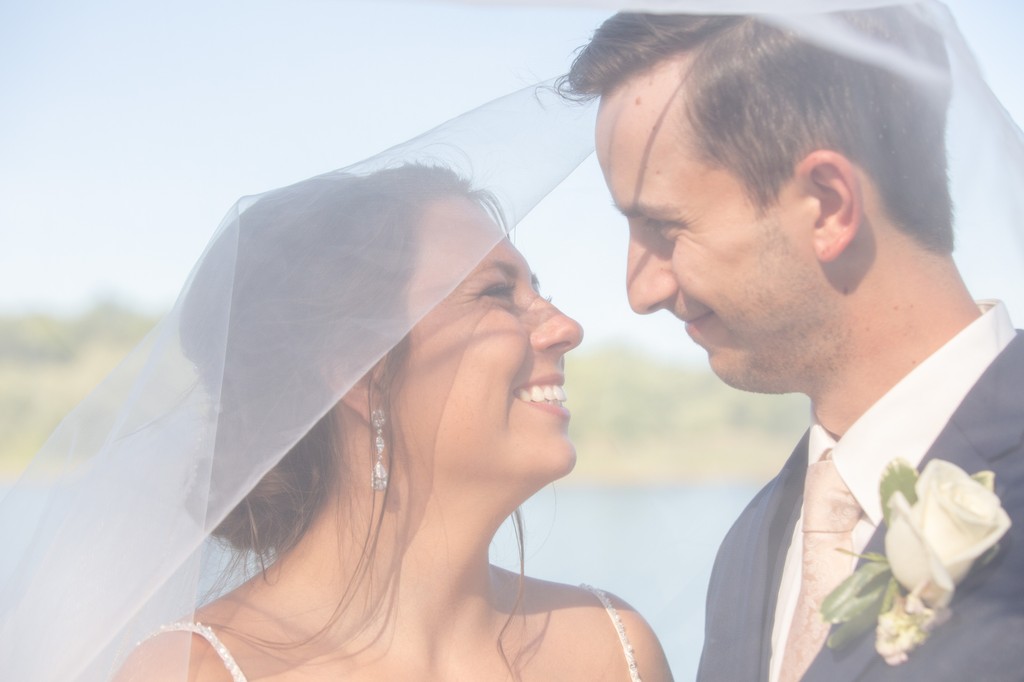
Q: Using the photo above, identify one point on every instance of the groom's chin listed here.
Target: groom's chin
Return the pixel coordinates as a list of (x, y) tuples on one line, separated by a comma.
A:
[(740, 371)]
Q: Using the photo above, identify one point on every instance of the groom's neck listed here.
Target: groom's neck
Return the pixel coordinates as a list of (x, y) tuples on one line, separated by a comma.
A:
[(904, 312)]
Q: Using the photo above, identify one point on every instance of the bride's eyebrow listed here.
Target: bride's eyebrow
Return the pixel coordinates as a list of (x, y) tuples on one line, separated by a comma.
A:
[(508, 269), (513, 271)]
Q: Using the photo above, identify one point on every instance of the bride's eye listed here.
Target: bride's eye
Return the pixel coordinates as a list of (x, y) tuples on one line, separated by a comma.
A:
[(535, 282), (504, 290)]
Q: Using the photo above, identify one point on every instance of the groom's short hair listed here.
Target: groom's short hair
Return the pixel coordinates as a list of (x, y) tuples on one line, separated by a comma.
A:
[(759, 98)]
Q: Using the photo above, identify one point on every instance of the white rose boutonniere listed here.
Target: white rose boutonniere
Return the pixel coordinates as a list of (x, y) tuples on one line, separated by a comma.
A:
[(931, 545), (940, 525)]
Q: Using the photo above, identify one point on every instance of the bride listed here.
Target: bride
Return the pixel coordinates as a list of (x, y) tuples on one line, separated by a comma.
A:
[(299, 472), (368, 542)]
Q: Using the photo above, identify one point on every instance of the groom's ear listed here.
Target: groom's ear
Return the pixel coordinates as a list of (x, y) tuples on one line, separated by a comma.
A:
[(832, 184)]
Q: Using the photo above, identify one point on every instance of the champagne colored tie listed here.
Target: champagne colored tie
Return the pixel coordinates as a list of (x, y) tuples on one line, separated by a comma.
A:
[(830, 513)]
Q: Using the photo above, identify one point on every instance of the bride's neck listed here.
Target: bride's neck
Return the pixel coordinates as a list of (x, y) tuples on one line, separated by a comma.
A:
[(416, 578)]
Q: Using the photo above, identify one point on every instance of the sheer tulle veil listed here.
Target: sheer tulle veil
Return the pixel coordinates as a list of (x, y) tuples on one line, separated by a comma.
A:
[(122, 498), (153, 459)]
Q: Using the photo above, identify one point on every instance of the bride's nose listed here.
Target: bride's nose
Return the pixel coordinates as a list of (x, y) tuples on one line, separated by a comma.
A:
[(556, 332)]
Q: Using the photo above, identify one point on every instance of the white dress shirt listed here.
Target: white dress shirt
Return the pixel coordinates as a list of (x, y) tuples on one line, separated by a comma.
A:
[(903, 423)]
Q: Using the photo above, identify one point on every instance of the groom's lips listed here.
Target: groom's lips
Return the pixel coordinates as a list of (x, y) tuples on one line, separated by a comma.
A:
[(693, 325), (698, 319)]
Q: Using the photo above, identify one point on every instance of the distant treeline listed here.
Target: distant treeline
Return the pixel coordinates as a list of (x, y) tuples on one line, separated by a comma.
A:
[(635, 418), (29, 340), (48, 364)]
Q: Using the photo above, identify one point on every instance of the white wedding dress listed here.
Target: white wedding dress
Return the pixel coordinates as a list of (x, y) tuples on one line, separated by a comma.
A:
[(237, 675)]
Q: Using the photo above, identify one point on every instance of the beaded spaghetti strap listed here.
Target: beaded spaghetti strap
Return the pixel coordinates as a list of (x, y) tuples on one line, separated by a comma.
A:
[(627, 648), (206, 633)]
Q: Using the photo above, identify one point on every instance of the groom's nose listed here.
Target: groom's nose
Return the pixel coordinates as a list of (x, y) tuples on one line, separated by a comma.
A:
[(650, 283)]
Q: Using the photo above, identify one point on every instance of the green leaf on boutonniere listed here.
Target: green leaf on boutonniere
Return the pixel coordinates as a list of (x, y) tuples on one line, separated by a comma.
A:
[(987, 479), (872, 556), (857, 593), (867, 618), (892, 592), (866, 556), (900, 477)]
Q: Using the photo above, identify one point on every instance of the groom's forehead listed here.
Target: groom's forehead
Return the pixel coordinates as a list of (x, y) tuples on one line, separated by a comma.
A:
[(643, 133), (646, 108)]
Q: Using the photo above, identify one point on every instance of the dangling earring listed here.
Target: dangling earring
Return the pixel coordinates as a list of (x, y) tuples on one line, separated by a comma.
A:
[(380, 472)]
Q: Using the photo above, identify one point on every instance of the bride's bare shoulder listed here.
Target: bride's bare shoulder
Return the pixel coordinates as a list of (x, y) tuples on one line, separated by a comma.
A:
[(577, 627), (174, 656)]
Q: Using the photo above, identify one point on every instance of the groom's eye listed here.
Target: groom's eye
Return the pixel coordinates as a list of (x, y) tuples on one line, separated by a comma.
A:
[(665, 228)]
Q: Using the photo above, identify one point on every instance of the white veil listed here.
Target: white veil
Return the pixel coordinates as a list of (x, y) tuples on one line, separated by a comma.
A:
[(108, 523), (287, 308)]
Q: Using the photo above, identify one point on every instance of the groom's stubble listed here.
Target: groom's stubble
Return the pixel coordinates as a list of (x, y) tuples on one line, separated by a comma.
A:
[(788, 334)]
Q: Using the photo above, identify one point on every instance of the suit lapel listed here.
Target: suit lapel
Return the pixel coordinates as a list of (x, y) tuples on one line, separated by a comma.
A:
[(745, 580), (780, 522), (986, 426), (988, 421)]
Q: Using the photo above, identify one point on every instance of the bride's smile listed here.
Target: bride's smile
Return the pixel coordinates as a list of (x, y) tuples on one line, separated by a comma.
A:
[(484, 377)]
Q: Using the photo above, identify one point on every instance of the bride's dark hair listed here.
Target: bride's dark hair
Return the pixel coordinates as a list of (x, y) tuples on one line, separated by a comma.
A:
[(355, 232)]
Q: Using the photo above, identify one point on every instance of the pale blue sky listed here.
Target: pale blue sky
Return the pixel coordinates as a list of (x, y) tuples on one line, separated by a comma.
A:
[(129, 128)]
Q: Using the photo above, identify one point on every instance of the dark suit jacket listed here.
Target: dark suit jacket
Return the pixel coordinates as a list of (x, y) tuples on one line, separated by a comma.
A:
[(984, 639)]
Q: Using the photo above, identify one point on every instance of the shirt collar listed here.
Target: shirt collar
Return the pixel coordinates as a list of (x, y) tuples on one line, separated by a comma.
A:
[(905, 422)]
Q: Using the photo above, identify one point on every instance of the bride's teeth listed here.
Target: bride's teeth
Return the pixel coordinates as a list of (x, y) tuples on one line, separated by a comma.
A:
[(541, 394)]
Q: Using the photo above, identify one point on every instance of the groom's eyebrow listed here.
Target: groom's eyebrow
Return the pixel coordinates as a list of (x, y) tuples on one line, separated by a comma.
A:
[(667, 214), (651, 211)]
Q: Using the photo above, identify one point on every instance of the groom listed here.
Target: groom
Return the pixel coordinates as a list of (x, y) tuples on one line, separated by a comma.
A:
[(791, 207)]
